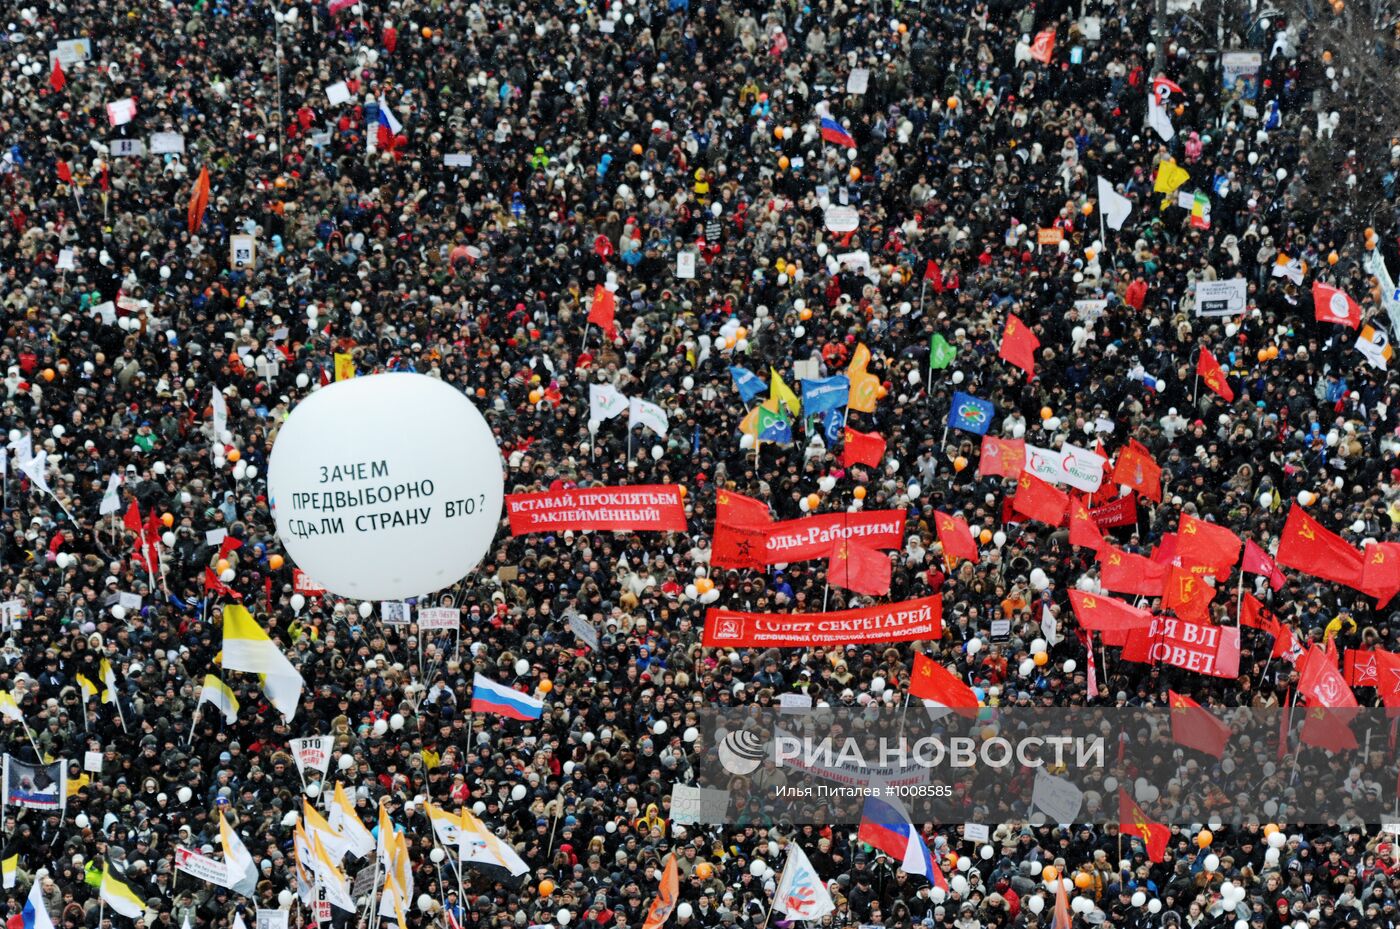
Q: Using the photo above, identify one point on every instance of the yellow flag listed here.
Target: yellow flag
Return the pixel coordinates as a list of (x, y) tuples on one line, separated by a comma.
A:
[(865, 387), (1170, 176), (344, 367), (779, 390)]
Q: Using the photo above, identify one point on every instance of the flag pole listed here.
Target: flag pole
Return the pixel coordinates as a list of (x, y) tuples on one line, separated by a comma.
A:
[(1196, 390)]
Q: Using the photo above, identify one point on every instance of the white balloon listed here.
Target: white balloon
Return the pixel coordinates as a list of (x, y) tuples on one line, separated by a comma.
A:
[(380, 727), (303, 380), (518, 792), (1212, 862), (366, 608), (1038, 645), (1070, 665), (298, 601), (1277, 840), (227, 576), (119, 612), (1139, 899), (396, 722), (1154, 906), (964, 864), (522, 667), (168, 538), (1027, 667), (285, 898), (425, 902), (998, 538), (1271, 856), (346, 762), (184, 794), (757, 867), (313, 790), (1036, 903), (82, 821), (974, 646), (959, 884), (914, 491), (424, 488), (685, 911), (938, 895), (986, 852), (1039, 579), (958, 377)]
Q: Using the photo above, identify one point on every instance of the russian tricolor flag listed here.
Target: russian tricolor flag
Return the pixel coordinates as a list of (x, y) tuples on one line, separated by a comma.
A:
[(389, 125), (886, 825), (836, 134), (490, 697)]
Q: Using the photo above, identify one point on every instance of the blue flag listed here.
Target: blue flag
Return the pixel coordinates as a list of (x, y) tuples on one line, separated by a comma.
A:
[(750, 385), (833, 424), (825, 394), (970, 414)]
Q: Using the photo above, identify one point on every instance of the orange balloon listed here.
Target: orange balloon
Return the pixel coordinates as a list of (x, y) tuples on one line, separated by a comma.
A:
[(952, 103), (1046, 412), (1370, 231), (637, 148), (1087, 209), (1332, 258), (1040, 658), (778, 133), (1263, 355), (959, 463), (275, 562), (813, 501), (427, 32), (1049, 874), (47, 374), (903, 29), (535, 395), (881, 392), (859, 493), (167, 519), (855, 173), (683, 491), (1270, 829), (985, 535), (221, 566), (233, 455), (1204, 838), (804, 314), (546, 887), (783, 163), (742, 332), (546, 686), (1273, 352), (704, 870), (1082, 881)]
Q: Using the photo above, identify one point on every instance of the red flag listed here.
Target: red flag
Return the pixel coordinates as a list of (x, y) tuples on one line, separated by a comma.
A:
[(1380, 567), (1327, 729), (65, 173), (1002, 457), (1331, 305), (1321, 682), (1107, 615), (132, 518), (212, 582), (955, 537), (859, 568), (1083, 531), (1388, 679), (1307, 546), (1196, 727), (1253, 614), (199, 201), (1043, 46), (667, 892), (1186, 593), (735, 509), (932, 681), (1038, 500), (934, 275), (738, 546), (865, 448), (1201, 542), (57, 79), (1127, 573), (603, 311), (229, 544), (1209, 370), (1061, 918), (1133, 822), (1018, 345), (1362, 667), (1136, 468), (1257, 561)]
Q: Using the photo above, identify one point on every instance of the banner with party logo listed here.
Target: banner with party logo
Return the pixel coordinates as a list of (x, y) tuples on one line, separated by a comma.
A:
[(906, 621)]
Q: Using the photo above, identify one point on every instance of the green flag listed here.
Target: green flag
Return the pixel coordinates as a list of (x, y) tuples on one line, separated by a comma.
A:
[(940, 353)]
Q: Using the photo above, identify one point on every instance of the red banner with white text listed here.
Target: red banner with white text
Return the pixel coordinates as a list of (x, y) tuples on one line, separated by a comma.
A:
[(813, 536), (645, 508), (907, 621), (1201, 647)]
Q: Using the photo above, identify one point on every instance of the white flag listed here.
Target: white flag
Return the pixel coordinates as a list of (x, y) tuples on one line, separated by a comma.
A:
[(111, 500), (34, 470), (24, 448), (1158, 119), (800, 893), (220, 406), (1115, 206), (604, 402), (649, 415)]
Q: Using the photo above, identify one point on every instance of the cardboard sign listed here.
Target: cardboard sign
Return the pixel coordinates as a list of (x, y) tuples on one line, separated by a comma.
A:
[(439, 617), (697, 805), (242, 251), (859, 81), (977, 832), (457, 160), (395, 613), (1052, 236), (167, 143), (126, 148), (583, 630), (338, 93), (794, 703), (92, 761), (685, 264), (1222, 298), (842, 218), (120, 112), (70, 52), (313, 753)]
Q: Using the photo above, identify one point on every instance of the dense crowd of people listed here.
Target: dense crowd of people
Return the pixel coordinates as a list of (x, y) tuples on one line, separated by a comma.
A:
[(531, 155)]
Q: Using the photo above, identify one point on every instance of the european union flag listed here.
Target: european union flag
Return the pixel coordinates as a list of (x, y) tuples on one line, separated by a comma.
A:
[(750, 385), (828, 393), (833, 424), (970, 414)]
